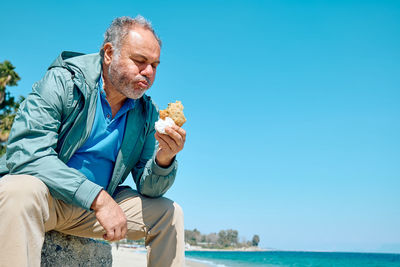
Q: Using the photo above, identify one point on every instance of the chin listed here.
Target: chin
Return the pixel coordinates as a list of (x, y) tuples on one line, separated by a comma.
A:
[(136, 95), (133, 93)]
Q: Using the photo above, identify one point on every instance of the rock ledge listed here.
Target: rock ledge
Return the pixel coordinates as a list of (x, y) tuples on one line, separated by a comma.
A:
[(65, 250)]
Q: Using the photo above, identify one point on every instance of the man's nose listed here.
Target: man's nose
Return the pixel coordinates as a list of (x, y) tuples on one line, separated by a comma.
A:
[(147, 71)]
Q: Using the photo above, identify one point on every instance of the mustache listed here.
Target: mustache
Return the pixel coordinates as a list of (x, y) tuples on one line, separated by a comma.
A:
[(143, 79)]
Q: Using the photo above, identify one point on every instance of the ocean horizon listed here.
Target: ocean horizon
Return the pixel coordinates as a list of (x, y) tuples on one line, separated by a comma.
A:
[(293, 258)]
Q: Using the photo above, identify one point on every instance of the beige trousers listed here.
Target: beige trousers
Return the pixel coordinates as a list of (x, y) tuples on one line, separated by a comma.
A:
[(27, 211)]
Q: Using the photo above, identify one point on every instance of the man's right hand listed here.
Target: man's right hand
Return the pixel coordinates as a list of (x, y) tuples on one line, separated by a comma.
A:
[(110, 216)]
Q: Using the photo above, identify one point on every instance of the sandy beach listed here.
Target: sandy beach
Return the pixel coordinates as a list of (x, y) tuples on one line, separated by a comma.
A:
[(123, 257)]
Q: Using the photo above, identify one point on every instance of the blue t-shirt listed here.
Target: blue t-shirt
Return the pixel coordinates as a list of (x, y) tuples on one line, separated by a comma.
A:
[(96, 157)]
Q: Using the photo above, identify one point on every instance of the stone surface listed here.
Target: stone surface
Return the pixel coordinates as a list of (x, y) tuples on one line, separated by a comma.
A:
[(64, 250)]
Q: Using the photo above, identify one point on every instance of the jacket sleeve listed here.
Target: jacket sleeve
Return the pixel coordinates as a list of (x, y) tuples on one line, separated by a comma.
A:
[(33, 140), (152, 180)]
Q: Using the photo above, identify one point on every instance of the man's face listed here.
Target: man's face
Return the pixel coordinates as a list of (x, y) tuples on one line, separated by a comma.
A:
[(132, 69)]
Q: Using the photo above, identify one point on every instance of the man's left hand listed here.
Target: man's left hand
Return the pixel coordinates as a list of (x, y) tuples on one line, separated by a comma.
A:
[(169, 144)]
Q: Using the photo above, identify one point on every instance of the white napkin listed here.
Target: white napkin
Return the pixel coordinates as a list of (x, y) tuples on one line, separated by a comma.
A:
[(161, 124)]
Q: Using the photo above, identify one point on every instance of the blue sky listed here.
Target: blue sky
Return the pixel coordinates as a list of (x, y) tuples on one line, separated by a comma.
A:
[(292, 106)]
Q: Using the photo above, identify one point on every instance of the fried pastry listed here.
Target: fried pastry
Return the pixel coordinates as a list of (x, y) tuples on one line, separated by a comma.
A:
[(175, 112)]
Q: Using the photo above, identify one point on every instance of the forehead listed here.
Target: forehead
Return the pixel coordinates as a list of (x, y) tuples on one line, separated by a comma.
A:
[(141, 41)]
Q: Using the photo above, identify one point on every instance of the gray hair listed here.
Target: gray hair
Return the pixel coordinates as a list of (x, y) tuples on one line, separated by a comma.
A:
[(120, 27)]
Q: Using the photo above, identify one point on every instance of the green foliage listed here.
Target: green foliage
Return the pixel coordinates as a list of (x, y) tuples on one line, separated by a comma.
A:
[(8, 77), (223, 240), (228, 238), (192, 237), (7, 74), (8, 106), (255, 240)]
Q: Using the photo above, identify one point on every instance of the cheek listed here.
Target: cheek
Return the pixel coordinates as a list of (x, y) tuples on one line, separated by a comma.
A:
[(154, 76), (128, 69)]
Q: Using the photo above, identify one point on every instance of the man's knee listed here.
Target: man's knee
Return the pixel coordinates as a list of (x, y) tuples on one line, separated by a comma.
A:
[(171, 208), (177, 210), (21, 190)]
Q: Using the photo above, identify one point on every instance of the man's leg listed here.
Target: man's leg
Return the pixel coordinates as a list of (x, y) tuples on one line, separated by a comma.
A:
[(159, 220), (24, 209), (163, 221), (27, 211)]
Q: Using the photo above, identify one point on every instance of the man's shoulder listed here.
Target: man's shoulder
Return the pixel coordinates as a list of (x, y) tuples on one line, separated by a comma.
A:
[(76, 72), (84, 67), (66, 58)]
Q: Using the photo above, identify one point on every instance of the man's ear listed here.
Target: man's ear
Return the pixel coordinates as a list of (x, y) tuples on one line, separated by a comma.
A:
[(108, 53)]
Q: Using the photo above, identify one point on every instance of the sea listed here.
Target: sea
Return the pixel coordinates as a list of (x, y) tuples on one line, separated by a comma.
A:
[(295, 259)]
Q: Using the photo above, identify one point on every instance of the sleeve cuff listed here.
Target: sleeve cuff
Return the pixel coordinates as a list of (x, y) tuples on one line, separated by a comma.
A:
[(157, 170), (86, 194)]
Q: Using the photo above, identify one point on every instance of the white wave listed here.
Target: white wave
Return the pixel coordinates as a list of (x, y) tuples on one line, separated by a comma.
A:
[(207, 262)]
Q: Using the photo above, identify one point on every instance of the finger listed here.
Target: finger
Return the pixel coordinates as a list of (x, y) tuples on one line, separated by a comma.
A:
[(176, 133), (171, 143), (158, 135), (166, 142), (161, 142), (124, 231), (166, 146), (118, 234), (180, 130), (176, 137), (109, 235)]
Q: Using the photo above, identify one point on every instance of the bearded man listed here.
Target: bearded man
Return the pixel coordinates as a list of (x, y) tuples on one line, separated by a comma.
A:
[(86, 125)]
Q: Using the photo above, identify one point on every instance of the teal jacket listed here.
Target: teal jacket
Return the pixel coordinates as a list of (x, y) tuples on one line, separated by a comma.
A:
[(56, 119)]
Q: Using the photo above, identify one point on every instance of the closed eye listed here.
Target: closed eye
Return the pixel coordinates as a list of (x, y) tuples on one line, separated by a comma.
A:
[(139, 61)]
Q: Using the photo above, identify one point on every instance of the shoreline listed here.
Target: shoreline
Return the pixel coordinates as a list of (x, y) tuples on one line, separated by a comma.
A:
[(124, 256)]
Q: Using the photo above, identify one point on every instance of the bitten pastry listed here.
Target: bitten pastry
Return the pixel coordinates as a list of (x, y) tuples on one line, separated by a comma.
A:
[(175, 112)]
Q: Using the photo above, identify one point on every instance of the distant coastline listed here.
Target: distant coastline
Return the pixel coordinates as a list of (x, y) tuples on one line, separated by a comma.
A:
[(142, 248), (254, 249), (250, 249)]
